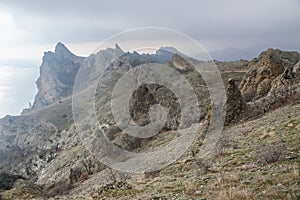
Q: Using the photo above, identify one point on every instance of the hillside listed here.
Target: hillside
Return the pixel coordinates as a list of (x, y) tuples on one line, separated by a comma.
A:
[(45, 154)]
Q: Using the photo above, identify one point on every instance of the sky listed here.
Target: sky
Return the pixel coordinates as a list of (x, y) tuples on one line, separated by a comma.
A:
[(229, 30)]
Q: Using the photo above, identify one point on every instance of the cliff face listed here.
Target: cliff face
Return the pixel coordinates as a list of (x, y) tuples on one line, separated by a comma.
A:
[(57, 75)]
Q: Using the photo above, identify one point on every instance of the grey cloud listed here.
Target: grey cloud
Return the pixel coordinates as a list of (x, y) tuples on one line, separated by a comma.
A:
[(229, 24), (77, 21)]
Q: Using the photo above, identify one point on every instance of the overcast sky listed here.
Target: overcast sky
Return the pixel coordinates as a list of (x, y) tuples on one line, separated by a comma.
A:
[(229, 29)]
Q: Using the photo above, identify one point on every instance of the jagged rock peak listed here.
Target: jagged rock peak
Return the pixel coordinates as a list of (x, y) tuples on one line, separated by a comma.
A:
[(62, 50), (114, 52), (118, 48)]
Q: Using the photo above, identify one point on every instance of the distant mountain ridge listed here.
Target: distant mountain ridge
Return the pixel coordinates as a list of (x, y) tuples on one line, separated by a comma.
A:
[(59, 68)]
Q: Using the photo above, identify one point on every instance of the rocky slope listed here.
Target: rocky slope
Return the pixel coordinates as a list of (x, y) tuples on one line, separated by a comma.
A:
[(43, 157)]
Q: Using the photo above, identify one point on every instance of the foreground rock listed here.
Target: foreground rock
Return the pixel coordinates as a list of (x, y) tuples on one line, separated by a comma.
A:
[(269, 83), (263, 70), (235, 105)]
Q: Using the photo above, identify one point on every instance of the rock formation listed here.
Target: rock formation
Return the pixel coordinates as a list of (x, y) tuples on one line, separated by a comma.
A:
[(235, 105), (296, 68), (263, 70), (57, 75), (269, 83)]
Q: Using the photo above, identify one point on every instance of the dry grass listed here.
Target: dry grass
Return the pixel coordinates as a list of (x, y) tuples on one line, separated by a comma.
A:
[(268, 153), (190, 189), (296, 173), (60, 188), (236, 194)]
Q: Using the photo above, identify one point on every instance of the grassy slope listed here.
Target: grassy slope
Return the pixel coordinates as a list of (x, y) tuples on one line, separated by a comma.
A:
[(239, 170)]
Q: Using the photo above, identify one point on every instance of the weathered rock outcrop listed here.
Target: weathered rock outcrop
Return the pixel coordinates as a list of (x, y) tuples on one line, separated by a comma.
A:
[(263, 70), (235, 105), (269, 83), (281, 87), (296, 68)]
